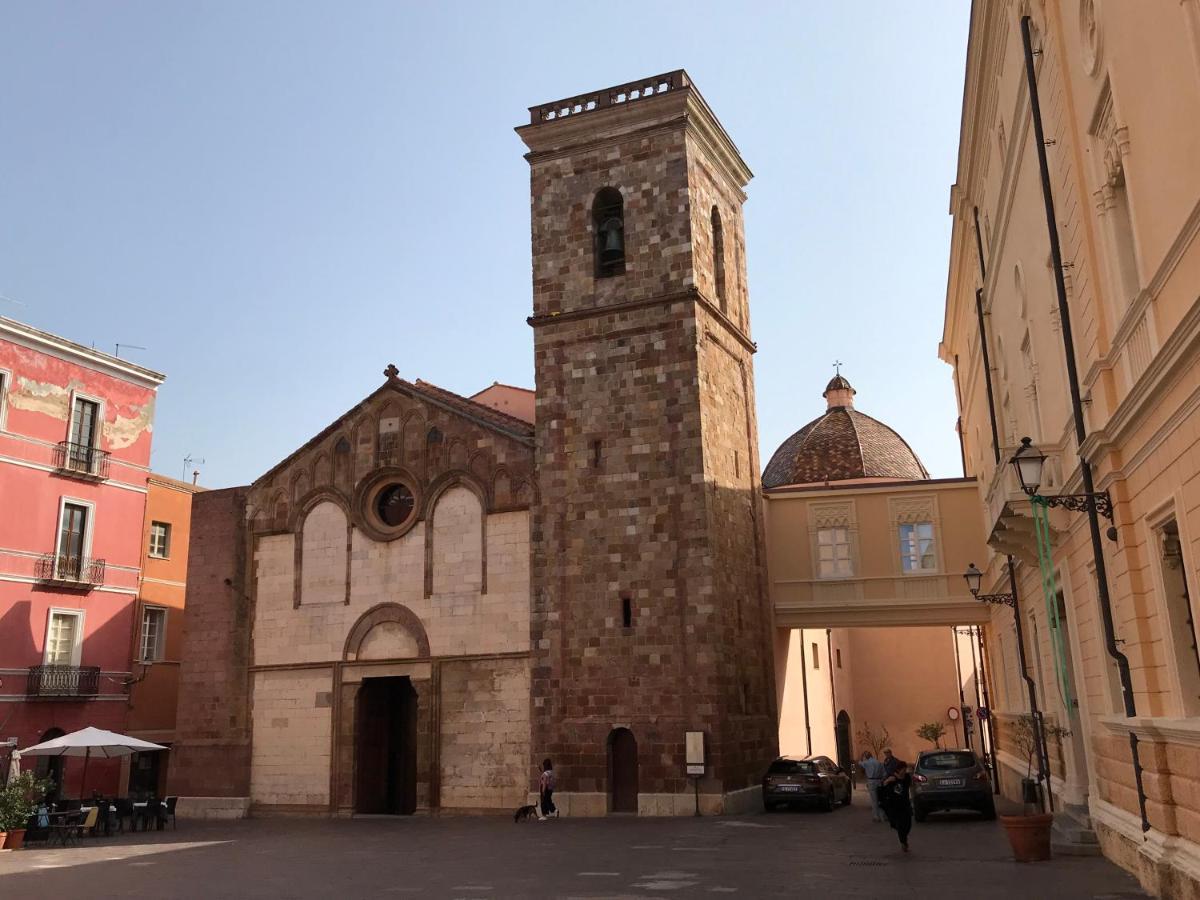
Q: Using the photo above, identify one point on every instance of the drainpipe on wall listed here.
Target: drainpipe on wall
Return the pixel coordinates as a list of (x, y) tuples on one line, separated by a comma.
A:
[(986, 737), (983, 344), (1039, 732), (1085, 469), (804, 689)]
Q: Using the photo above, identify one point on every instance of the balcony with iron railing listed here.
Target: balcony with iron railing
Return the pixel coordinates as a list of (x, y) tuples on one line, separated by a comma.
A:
[(81, 461), (65, 570), (63, 682)]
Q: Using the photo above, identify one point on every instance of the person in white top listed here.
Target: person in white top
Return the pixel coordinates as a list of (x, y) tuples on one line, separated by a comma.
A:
[(874, 770)]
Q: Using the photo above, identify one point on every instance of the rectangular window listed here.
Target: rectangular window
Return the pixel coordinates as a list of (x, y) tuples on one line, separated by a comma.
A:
[(63, 633), (3, 397), (154, 633), (833, 553), (816, 656), (85, 422), (839, 657), (72, 540), (84, 435), (160, 539), (916, 547)]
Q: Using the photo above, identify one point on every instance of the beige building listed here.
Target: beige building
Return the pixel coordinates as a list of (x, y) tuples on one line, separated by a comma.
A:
[(864, 555), (1118, 86)]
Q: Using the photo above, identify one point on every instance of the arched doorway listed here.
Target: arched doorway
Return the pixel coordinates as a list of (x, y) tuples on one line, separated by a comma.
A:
[(845, 750), (622, 771), (52, 767), (385, 747)]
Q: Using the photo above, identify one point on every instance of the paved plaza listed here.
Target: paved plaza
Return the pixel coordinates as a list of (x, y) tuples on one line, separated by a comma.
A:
[(799, 854)]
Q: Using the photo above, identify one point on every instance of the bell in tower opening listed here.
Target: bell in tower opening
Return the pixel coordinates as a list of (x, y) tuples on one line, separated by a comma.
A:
[(608, 216)]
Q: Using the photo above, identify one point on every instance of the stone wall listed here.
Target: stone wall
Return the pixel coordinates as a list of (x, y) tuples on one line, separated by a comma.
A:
[(290, 760), (212, 755), (484, 733)]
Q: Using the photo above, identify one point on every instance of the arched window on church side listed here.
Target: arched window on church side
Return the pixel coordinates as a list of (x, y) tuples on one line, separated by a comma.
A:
[(718, 248), (608, 226)]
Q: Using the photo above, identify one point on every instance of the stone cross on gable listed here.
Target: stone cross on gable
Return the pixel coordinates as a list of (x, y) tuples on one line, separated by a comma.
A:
[(392, 373)]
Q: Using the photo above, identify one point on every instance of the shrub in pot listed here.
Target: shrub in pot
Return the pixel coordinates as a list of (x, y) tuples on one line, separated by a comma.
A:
[(18, 801), (1029, 833)]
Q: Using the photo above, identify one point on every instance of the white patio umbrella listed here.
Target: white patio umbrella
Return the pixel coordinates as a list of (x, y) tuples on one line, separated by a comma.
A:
[(89, 742)]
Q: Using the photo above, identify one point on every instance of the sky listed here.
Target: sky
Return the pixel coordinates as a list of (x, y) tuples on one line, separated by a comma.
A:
[(277, 199)]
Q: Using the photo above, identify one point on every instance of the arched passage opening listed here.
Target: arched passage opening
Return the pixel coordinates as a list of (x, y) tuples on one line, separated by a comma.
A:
[(845, 751), (622, 771)]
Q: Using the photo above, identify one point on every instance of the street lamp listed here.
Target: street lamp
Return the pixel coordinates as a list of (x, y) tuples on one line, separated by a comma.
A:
[(1029, 462), (974, 579)]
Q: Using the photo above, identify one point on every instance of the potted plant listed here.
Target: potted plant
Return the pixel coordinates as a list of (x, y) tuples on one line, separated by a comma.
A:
[(1029, 833), (18, 801), (932, 732)]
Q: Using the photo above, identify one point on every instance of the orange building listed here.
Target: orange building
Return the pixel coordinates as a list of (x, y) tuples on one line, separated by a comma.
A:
[(158, 635)]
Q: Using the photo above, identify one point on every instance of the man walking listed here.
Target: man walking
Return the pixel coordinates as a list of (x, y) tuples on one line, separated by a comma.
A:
[(875, 773), (889, 762)]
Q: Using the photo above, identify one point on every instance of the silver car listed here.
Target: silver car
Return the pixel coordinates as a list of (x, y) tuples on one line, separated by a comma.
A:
[(951, 779)]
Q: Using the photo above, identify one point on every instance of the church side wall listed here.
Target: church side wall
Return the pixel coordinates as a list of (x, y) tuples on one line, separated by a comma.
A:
[(211, 757)]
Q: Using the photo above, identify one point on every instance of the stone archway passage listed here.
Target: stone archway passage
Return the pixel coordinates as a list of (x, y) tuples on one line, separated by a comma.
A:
[(385, 747), (622, 771)]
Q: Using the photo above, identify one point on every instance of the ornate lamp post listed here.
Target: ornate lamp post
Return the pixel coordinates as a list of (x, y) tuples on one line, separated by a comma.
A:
[(1029, 462)]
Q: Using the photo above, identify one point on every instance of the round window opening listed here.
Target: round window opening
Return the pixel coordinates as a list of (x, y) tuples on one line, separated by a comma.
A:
[(394, 505)]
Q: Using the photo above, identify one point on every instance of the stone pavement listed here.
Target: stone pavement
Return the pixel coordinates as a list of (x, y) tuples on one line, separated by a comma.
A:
[(798, 854)]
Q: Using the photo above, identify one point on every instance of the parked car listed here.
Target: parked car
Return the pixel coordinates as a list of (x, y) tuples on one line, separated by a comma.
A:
[(951, 779), (815, 780)]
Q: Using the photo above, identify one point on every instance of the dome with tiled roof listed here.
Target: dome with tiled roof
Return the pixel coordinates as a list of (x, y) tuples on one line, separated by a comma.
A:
[(842, 445)]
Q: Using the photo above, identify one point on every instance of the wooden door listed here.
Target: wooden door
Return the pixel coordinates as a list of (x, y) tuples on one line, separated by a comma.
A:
[(623, 771), (385, 753)]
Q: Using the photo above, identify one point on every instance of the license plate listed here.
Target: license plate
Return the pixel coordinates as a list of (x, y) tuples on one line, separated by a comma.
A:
[(790, 787), (951, 782)]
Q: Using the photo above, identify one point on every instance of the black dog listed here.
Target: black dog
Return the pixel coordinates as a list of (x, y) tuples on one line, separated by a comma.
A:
[(524, 812)]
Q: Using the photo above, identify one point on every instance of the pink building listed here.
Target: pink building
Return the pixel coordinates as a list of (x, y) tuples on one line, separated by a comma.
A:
[(75, 430)]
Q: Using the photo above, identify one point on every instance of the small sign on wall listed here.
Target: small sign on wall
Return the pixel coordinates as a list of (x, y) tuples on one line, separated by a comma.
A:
[(694, 744)]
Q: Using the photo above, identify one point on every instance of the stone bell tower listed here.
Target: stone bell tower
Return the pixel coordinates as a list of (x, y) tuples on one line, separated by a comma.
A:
[(650, 616)]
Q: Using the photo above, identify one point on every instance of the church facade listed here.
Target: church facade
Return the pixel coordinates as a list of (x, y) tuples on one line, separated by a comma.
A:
[(434, 593)]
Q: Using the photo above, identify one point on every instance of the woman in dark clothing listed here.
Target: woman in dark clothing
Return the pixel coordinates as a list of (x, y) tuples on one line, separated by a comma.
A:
[(894, 798)]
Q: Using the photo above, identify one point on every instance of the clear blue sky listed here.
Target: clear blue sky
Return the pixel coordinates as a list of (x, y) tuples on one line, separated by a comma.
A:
[(276, 199)]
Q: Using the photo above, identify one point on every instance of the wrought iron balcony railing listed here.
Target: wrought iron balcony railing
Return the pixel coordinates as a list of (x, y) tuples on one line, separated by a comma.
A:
[(62, 568), (63, 681), (81, 460)]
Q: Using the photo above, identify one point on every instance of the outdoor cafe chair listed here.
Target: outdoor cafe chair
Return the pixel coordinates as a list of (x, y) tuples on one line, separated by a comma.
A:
[(169, 811), (122, 810)]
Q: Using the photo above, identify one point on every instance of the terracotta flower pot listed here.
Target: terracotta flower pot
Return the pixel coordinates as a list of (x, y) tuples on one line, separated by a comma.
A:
[(3, 838), (15, 839), (1029, 836)]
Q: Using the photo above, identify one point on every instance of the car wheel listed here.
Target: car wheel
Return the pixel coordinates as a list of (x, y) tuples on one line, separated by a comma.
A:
[(828, 804), (920, 813)]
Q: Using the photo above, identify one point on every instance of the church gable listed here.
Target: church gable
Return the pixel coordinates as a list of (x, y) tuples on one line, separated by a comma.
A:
[(417, 434)]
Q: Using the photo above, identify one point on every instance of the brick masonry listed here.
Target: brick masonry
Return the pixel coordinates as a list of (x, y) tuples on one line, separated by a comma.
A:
[(212, 756), (646, 459)]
